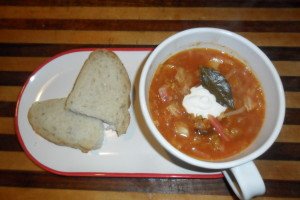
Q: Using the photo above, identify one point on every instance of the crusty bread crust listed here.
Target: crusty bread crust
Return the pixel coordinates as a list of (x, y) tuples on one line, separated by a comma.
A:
[(53, 122), (102, 90)]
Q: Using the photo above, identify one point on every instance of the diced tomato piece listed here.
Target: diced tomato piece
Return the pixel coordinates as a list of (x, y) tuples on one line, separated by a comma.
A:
[(218, 127)]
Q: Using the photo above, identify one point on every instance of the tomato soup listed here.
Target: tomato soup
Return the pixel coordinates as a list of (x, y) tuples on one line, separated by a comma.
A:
[(213, 137)]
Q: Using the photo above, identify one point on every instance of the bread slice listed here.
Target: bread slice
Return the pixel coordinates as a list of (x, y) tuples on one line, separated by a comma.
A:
[(102, 90), (53, 122)]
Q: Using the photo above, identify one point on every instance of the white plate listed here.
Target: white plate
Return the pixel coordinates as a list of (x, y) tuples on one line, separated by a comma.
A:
[(135, 154)]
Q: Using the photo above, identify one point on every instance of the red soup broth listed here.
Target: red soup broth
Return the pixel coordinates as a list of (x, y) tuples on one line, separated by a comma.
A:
[(196, 136)]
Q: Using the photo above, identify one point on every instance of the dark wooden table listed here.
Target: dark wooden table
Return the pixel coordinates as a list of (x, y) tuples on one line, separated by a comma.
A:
[(32, 31)]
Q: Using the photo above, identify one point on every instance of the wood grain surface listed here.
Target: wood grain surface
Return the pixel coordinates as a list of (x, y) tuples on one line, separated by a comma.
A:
[(33, 31)]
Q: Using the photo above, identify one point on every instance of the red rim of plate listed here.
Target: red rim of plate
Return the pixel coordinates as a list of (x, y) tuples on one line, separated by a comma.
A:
[(98, 174)]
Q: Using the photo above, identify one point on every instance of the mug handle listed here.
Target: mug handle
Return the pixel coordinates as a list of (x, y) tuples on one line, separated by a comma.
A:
[(245, 180)]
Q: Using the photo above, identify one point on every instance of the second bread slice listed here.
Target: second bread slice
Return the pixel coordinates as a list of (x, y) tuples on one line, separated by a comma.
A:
[(102, 90)]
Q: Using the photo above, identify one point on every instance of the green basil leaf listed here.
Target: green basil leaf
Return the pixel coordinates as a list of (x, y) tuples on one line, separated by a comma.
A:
[(217, 84)]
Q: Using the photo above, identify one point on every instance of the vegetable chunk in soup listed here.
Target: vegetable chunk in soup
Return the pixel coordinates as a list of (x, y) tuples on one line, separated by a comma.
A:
[(183, 92)]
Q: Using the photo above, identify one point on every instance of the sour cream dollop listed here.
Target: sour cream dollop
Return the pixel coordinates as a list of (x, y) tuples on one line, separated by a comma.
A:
[(201, 102)]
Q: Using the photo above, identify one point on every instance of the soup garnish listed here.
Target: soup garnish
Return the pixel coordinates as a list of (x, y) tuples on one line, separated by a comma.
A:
[(217, 84), (206, 103)]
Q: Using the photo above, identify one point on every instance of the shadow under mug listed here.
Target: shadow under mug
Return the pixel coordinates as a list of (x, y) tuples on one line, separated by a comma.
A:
[(239, 170)]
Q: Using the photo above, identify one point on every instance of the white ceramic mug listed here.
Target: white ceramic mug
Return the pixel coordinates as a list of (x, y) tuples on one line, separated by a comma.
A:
[(239, 170)]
